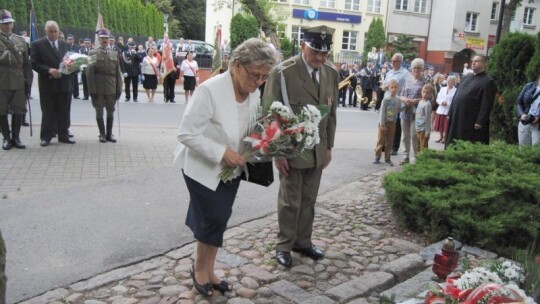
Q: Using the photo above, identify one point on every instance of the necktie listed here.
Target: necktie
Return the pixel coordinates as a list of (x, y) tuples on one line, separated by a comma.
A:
[(314, 78), (54, 46)]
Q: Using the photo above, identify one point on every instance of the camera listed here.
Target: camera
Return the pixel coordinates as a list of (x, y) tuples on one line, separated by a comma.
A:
[(528, 120)]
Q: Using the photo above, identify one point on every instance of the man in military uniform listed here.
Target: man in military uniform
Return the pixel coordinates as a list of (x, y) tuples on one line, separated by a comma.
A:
[(131, 69), (104, 83), (15, 81), (85, 49), (307, 80)]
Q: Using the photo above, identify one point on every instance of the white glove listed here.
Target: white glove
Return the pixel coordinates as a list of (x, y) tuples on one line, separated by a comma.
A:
[(125, 75)]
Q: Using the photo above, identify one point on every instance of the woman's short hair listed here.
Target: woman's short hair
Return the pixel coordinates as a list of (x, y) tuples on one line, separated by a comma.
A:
[(452, 78), (417, 63), (254, 51)]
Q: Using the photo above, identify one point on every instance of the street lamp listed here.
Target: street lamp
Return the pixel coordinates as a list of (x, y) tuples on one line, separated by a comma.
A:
[(165, 22)]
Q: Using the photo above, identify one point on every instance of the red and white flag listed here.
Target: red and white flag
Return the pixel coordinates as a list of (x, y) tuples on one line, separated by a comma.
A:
[(167, 63)]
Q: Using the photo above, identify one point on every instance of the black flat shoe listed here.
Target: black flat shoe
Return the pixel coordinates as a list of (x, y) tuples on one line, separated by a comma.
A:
[(44, 143), (203, 289), (223, 286), (313, 252), (284, 258)]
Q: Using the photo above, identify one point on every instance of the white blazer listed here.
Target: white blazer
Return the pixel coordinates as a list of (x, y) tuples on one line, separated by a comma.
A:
[(210, 126)]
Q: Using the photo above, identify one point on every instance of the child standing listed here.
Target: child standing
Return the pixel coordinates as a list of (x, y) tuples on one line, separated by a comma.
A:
[(387, 123), (423, 117)]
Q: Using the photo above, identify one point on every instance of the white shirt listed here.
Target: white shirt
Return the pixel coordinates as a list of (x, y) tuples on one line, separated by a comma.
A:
[(189, 68), (146, 66)]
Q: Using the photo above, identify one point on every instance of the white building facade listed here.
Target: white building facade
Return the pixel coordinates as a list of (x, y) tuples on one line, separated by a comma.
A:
[(450, 32), (349, 18)]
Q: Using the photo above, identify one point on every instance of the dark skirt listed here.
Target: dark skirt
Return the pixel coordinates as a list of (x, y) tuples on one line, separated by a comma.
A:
[(189, 83), (441, 123), (149, 82), (209, 211)]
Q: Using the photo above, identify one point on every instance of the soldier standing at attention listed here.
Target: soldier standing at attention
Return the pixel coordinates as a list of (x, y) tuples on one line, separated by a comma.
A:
[(104, 83), (305, 79), (131, 68), (85, 49), (15, 81)]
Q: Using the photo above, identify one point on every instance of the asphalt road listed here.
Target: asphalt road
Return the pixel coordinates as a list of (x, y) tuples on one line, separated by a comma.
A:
[(63, 235)]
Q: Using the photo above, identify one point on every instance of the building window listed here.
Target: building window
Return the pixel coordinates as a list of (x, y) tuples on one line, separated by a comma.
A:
[(352, 5), (374, 6), (494, 11), (301, 2), (282, 1), (420, 6), (402, 5), (296, 34), (328, 3), (471, 20), (349, 40), (528, 16)]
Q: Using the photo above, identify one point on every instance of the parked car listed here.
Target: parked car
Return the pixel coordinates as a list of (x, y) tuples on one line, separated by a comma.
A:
[(204, 52)]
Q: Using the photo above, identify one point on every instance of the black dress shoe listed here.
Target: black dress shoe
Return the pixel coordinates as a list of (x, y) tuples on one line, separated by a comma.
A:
[(126, 100), (25, 124), (172, 101), (18, 144), (85, 98), (284, 258), (44, 142), (6, 144), (313, 252), (134, 100), (66, 141)]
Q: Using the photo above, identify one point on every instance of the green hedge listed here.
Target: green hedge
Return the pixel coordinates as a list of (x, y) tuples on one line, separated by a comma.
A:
[(487, 196)]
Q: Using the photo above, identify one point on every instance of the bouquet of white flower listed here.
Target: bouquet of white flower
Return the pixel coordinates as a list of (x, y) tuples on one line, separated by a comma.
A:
[(72, 62)]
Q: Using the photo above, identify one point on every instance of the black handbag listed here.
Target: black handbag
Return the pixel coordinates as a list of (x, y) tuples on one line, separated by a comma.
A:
[(259, 173)]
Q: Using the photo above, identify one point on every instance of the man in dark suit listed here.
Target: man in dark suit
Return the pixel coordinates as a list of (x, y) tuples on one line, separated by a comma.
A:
[(130, 64), (54, 88), (367, 81), (307, 80)]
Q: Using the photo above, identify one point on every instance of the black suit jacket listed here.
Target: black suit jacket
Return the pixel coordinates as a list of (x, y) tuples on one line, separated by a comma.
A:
[(43, 57)]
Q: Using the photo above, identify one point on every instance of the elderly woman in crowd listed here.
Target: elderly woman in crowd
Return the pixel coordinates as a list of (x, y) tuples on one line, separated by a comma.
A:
[(410, 95), (210, 135), (528, 111), (444, 99)]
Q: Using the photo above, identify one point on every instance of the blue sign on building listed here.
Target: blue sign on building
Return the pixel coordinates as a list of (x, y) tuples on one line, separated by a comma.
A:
[(312, 14)]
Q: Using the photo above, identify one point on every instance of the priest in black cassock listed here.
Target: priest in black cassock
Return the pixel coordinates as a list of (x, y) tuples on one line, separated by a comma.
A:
[(469, 113)]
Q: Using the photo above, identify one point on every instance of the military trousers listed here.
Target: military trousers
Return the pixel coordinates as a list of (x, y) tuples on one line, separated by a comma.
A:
[(3, 278), (296, 207), (14, 100), (104, 101)]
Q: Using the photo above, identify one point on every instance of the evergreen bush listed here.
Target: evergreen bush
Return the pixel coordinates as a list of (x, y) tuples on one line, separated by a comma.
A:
[(243, 27), (482, 195)]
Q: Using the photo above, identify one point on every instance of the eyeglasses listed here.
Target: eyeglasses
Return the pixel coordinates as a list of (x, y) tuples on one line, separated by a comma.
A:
[(255, 77)]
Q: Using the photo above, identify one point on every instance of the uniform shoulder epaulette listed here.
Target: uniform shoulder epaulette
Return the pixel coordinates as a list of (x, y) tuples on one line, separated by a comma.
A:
[(286, 64)]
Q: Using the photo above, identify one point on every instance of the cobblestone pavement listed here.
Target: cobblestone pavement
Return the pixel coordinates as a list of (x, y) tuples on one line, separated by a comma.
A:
[(353, 224)]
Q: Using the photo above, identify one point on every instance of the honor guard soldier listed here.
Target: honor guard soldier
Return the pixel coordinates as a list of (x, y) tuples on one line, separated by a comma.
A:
[(15, 81), (131, 69), (305, 79), (104, 83)]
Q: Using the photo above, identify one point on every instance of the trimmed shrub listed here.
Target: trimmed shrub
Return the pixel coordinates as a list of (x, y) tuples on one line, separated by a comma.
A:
[(483, 195)]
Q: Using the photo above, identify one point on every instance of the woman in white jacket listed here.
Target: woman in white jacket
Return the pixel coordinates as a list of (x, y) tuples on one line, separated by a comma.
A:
[(210, 135)]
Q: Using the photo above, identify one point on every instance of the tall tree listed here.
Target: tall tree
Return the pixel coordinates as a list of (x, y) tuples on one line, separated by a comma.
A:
[(243, 27), (192, 18), (509, 10), (405, 45), (375, 36)]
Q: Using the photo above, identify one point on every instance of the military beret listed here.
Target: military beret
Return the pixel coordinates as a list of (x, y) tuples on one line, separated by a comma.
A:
[(5, 16), (319, 38)]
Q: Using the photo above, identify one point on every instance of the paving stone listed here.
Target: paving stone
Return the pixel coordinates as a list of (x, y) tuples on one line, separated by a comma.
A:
[(363, 286), (240, 301), (410, 287), (328, 213), (290, 291), (303, 269), (93, 302), (250, 283), (428, 252), (118, 274), (405, 267), (75, 298), (258, 273), (230, 259), (318, 300), (171, 291), (125, 301), (182, 252)]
